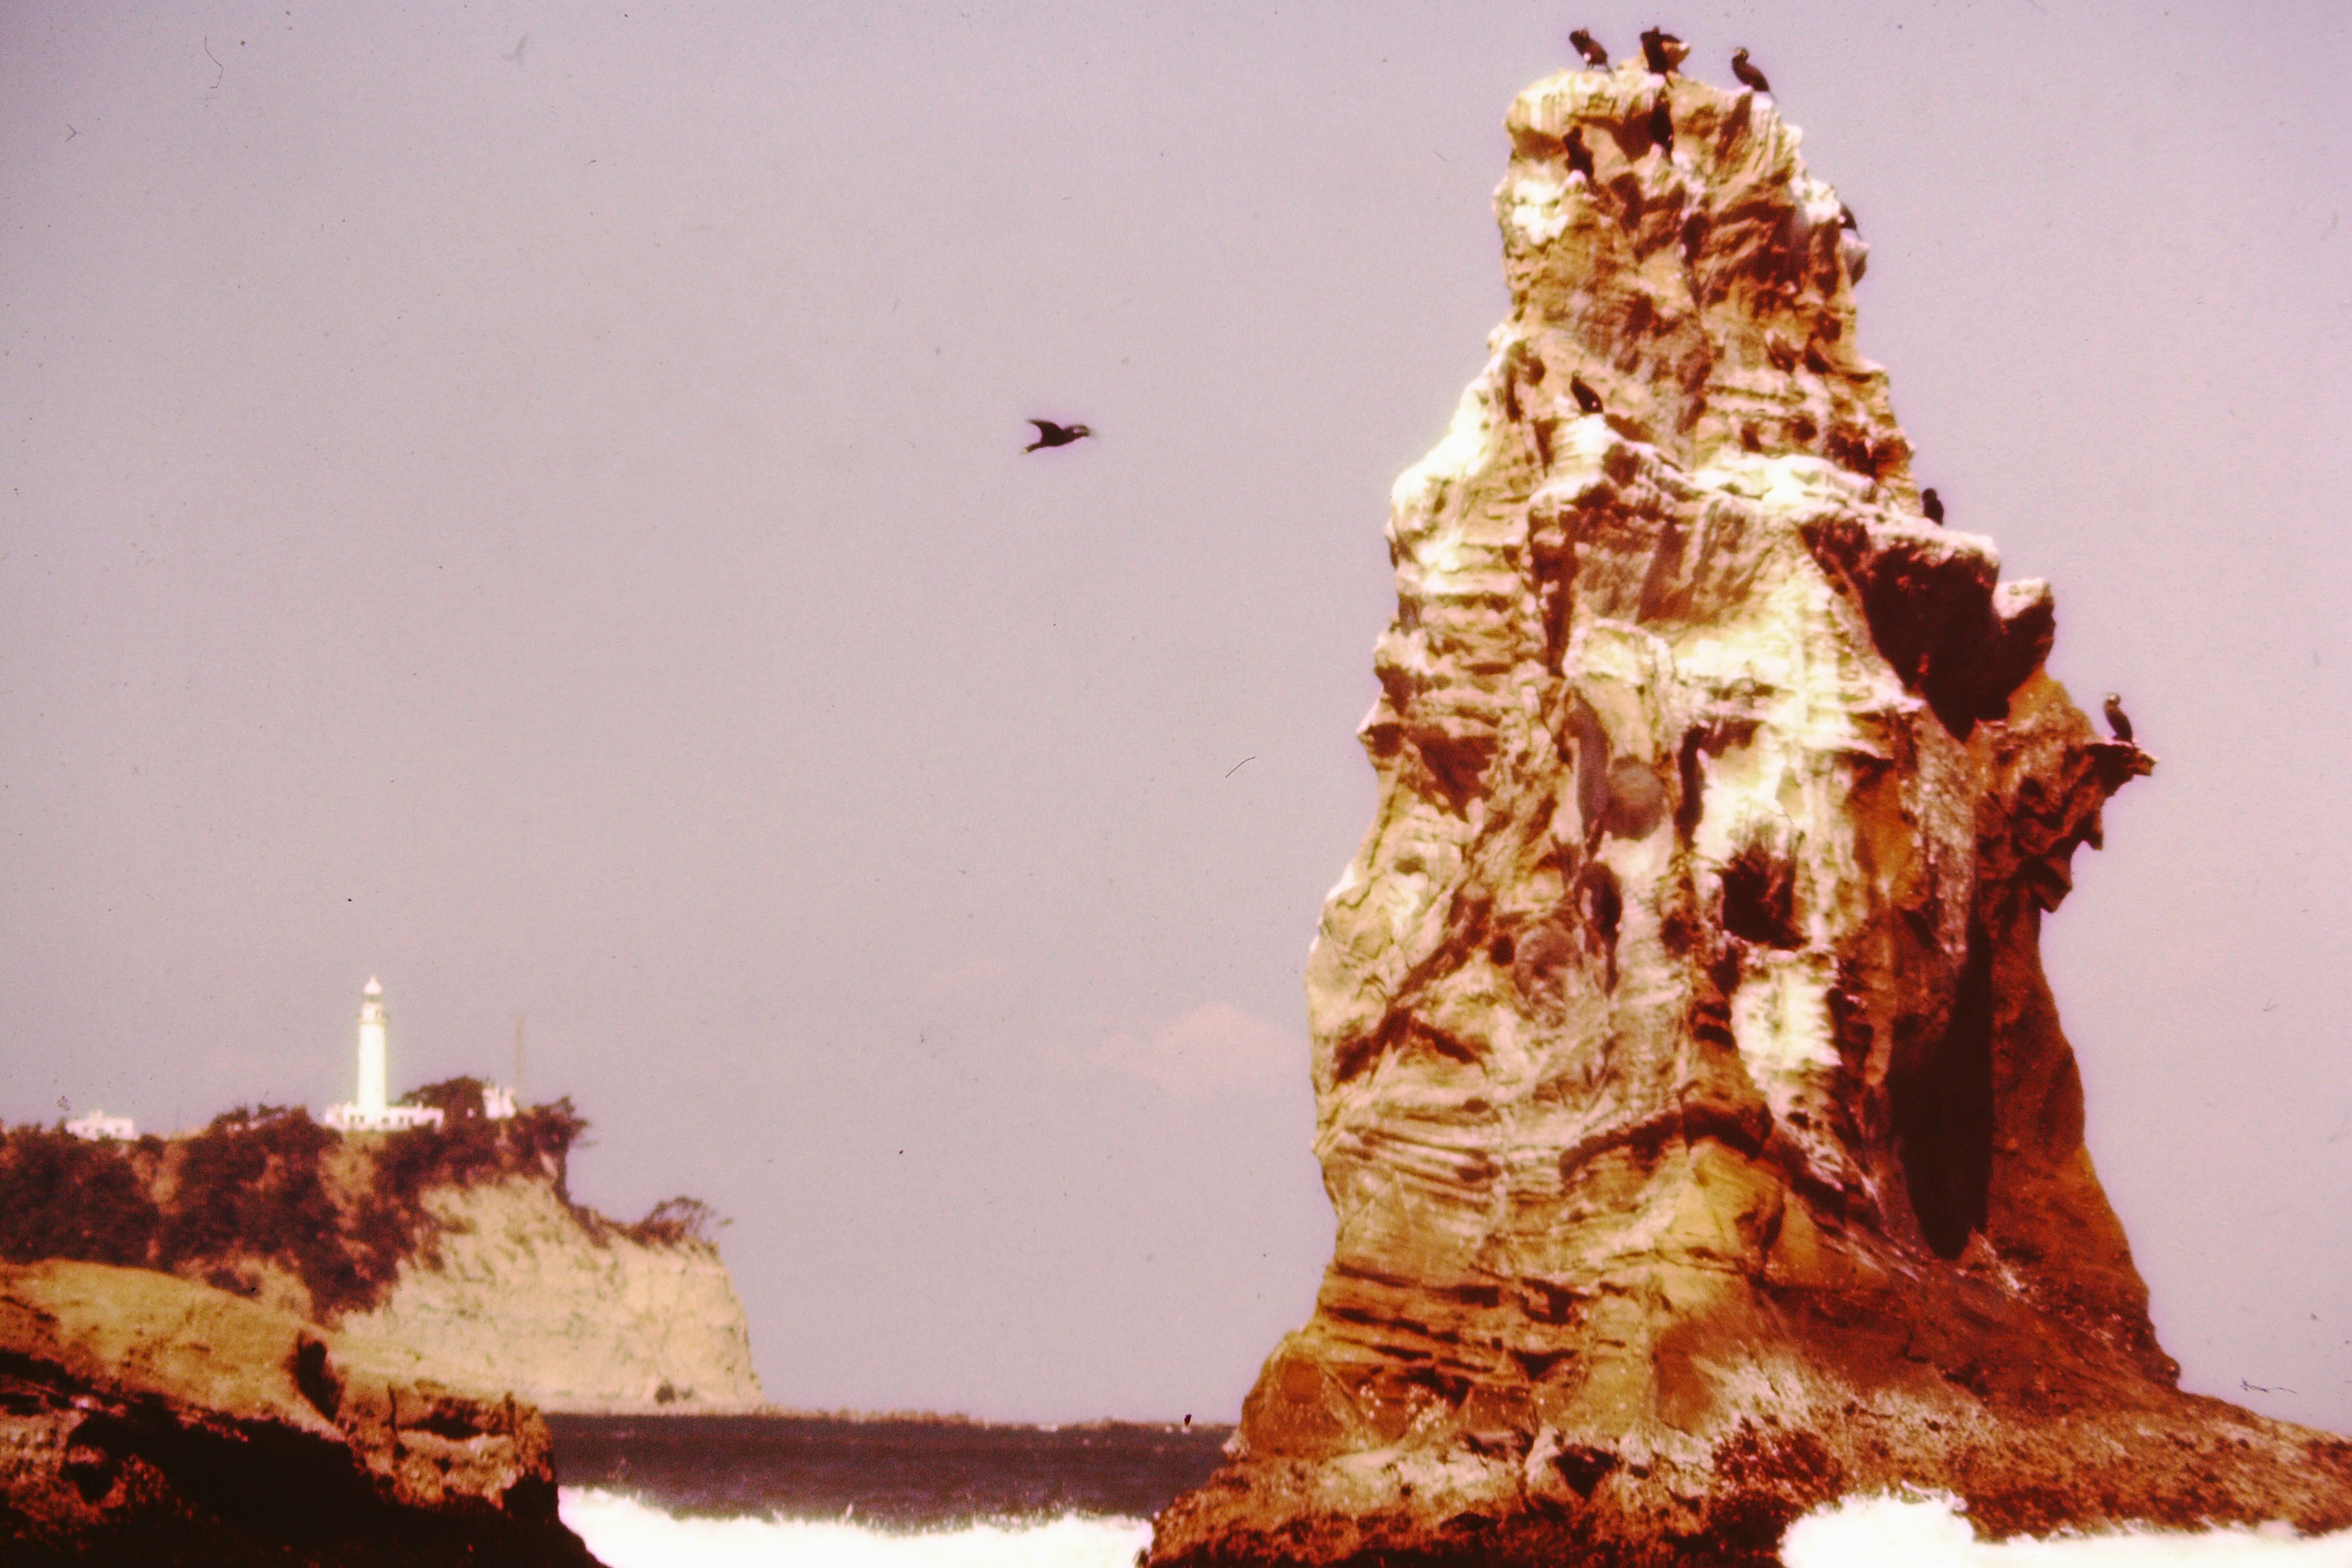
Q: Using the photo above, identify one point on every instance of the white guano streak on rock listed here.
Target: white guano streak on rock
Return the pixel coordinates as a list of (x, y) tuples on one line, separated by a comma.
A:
[(1450, 461), (1532, 205)]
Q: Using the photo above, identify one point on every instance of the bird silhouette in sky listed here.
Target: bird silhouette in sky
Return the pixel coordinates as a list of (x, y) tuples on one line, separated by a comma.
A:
[(1052, 435)]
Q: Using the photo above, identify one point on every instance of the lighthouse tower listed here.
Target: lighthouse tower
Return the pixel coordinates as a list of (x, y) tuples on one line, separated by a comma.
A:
[(372, 1102), (372, 1111)]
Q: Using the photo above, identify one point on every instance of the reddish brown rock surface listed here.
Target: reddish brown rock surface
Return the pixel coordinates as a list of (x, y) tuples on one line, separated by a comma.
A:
[(145, 1419), (1702, 1136)]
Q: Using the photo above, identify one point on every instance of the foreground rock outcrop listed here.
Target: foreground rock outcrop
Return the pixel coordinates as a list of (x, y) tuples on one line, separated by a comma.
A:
[(452, 1252), (146, 1419), (1702, 1136)]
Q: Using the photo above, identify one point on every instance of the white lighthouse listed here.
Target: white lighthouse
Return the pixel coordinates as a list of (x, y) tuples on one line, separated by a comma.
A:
[(372, 1111)]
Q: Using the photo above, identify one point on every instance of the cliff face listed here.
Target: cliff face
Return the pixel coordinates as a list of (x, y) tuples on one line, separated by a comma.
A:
[(1702, 1137), (147, 1419), (450, 1252), (516, 1293)]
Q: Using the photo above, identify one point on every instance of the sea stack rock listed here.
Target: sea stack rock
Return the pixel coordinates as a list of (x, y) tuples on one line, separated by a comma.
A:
[(1702, 1136)]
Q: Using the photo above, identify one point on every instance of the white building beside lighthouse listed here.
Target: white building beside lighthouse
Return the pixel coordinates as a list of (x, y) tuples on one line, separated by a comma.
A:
[(371, 1112)]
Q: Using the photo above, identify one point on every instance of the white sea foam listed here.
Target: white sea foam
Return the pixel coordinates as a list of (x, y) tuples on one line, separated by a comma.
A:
[(626, 1533), (1928, 1533), (1860, 1532)]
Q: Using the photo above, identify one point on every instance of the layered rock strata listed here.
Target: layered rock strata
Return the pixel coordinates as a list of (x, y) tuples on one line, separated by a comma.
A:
[(1702, 1136), (515, 1293), (147, 1419)]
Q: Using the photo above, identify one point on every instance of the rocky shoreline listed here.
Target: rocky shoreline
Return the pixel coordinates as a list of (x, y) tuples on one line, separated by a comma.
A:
[(145, 1419)]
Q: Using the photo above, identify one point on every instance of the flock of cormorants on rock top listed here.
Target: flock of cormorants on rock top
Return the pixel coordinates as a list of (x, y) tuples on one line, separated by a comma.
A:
[(1663, 54)]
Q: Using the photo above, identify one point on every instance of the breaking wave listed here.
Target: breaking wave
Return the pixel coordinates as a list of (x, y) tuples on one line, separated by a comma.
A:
[(1928, 1533), (626, 1533), (1861, 1532)]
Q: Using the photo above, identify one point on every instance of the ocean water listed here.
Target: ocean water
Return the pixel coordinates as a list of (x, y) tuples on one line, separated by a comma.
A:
[(626, 1533), (804, 1492), (733, 1491)]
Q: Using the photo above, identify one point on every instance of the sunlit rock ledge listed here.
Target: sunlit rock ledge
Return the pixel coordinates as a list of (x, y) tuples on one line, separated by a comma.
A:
[(1703, 1140), (149, 1419)]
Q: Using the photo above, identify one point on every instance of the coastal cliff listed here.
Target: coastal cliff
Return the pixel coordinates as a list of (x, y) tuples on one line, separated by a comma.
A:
[(450, 1252), (147, 1419), (1702, 1137), (518, 1294)]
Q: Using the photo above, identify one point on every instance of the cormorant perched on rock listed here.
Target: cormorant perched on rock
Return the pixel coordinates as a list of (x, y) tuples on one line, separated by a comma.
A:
[(1590, 48), (1580, 157), (1662, 124), (2116, 719), (1748, 75), (1586, 398), (1052, 435), (1933, 505), (1662, 51)]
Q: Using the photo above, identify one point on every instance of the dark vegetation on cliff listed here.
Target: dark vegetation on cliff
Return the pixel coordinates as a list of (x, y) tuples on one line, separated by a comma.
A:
[(267, 1191)]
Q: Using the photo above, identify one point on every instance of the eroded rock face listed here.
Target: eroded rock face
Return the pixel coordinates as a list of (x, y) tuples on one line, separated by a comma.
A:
[(1702, 1137), (149, 1419), (518, 1292)]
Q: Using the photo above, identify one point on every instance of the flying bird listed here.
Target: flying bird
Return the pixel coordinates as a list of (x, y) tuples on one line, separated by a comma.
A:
[(1586, 398), (1662, 51), (1590, 48), (1933, 505), (1052, 435), (2116, 720), (1662, 125), (1579, 158), (1748, 75)]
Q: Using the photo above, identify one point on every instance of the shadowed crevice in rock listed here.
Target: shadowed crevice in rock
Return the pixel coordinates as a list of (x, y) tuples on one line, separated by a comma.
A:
[(1943, 1115)]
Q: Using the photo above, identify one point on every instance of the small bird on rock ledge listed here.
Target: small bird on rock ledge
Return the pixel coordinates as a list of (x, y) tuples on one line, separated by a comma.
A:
[(1052, 435), (1748, 75), (1590, 48), (1662, 51), (2117, 722), (1933, 505)]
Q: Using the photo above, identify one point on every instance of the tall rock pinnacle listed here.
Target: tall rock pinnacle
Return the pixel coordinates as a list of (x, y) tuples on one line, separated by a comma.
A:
[(1702, 1137)]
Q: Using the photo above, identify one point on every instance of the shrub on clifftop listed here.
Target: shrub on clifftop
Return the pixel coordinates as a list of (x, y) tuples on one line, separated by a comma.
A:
[(63, 1197), (263, 1189)]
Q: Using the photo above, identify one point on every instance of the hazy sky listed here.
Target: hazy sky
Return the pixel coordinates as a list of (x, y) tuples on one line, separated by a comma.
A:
[(526, 501)]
